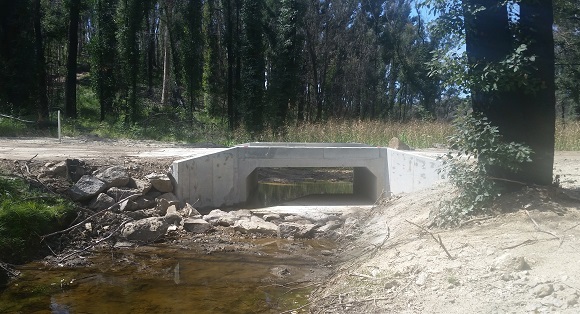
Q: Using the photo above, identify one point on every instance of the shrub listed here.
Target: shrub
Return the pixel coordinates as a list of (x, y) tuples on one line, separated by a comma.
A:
[(476, 146)]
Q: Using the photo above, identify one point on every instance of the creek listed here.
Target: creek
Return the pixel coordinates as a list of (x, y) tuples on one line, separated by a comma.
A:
[(259, 276), (222, 275)]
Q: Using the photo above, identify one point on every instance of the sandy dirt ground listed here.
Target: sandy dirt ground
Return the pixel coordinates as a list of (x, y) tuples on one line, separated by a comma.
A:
[(524, 260)]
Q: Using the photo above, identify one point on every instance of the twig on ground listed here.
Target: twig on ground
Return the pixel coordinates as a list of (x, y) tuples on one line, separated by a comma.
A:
[(387, 236), (439, 241), (506, 180), (574, 226), (542, 230), (89, 218), (362, 275), (94, 244), (463, 223), (529, 241)]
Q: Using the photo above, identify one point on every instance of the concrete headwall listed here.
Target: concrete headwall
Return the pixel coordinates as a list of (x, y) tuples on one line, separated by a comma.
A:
[(227, 177)]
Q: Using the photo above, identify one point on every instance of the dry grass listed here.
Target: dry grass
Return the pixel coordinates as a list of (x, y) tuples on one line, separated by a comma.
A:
[(418, 134), (568, 135)]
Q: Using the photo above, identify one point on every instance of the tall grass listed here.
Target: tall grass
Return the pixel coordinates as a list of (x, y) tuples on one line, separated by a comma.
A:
[(568, 135), (418, 134)]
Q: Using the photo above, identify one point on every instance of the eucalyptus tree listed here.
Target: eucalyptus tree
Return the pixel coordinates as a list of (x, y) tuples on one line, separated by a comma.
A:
[(130, 15), (104, 56), (215, 57), (42, 107), (71, 64), (253, 66), (510, 62), (192, 51), (567, 42), (286, 41)]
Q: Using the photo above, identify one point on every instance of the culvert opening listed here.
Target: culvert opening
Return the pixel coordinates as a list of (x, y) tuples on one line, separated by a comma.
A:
[(309, 186)]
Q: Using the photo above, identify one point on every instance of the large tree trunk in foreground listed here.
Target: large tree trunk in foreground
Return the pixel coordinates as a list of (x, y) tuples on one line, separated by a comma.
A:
[(522, 114), (539, 104)]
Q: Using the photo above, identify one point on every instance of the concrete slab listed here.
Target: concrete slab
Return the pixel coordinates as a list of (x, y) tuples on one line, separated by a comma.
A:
[(327, 204)]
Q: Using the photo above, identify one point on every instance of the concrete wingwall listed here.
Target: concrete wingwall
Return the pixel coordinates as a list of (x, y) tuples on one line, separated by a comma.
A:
[(227, 177)]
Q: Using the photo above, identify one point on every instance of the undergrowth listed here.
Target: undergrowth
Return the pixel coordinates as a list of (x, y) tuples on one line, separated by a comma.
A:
[(25, 214), (476, 146)]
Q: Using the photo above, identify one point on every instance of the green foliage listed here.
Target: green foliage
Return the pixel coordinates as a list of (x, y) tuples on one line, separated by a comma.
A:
[(476, 147), (25, 215), (9, 127)]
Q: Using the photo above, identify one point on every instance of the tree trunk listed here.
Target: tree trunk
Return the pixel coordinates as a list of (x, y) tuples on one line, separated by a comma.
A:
[(40, 65), (231, 60), (71, 64), (166, 74), (523, 115), (539, 104)]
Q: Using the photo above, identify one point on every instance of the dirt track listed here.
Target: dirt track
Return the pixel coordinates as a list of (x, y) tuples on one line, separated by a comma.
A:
[(94, 148)]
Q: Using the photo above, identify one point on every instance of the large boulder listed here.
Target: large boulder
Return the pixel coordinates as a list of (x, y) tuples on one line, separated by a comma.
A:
[(143, 186), (75, 169), (115, 176), (294, 230), (54, 170), (190, 212), (170, 198), (256, 225), (144, 202), (218, 217), (121, 193), (101, 202), (396, 143), (160, 182), (196, 225), (128, 206), (172, 217), (86, 188), (145, 230)]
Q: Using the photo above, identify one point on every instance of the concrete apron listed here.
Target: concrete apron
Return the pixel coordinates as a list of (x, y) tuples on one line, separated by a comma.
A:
[(326, 204), (226, 177)]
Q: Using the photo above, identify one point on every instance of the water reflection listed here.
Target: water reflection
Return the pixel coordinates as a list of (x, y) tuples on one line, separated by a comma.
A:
[(271, 194), (170, 280)]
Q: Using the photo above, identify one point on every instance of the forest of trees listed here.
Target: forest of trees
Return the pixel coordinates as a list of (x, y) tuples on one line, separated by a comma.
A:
[(258, 64)]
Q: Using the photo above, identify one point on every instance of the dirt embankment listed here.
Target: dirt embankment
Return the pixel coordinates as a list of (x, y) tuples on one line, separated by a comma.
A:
[(522, 261)]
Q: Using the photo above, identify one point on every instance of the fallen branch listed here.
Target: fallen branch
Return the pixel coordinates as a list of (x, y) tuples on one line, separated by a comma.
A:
[(574, 226), (89, 218), (542, 230), (529, 241), (507, 180), (438, 240), (15, 118), (94, 244), (362, 275), (463, 223)]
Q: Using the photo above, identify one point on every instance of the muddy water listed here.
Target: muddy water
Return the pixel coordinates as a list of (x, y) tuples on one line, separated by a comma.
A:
[(268, 276)]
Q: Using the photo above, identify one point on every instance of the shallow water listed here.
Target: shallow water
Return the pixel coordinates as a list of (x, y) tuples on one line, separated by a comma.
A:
[(275, 275), (271, 194)]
